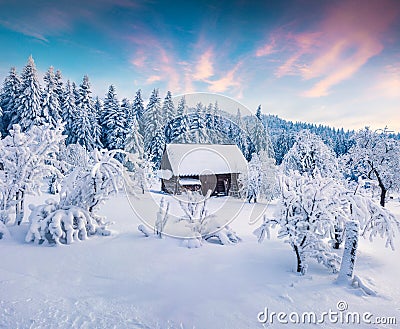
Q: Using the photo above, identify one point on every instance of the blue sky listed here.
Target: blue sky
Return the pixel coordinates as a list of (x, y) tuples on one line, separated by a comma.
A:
[(331, 62)]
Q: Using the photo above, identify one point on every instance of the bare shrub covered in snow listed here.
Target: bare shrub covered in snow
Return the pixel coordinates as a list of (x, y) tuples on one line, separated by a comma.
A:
[(313, 209), (3, 229), (75, 216), (375, 156), (203, 224), (26, 158), (52, 225), (306, 217), (162, 218)]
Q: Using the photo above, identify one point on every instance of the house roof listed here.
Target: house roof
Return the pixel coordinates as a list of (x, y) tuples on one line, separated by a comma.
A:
[(197, 159)]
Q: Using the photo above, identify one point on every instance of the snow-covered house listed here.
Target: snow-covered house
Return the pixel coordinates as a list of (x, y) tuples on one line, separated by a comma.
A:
[(202, 167)]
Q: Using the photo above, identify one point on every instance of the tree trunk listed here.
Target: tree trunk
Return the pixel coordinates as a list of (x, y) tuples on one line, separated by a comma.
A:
[(17, 209), (350, 250), (382, 187), (338, 237), (21, 209), (383, 195), (300, 263)]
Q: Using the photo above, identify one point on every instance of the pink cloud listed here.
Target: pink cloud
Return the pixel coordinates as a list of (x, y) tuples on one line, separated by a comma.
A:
[(204, 67), (351, 33), (388, 83), (267, 49), (226, 82), (303, 44), (153, 78), (139, 59)]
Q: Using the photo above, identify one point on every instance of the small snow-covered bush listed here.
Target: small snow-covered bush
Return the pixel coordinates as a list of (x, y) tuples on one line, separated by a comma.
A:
[(59, 226), (162, 219), (259, 182), (84, 189), (313, 209), (199, 224), (306, 216), (4, 234), (196, 215), (202, 224), (26, 158)]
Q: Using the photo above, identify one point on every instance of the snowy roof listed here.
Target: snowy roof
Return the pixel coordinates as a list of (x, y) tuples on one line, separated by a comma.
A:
[(197, 159)]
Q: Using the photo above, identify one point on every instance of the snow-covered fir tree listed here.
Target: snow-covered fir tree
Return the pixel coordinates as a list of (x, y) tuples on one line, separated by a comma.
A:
[(69, 112), (181, 108), (180, 126), (98, 106), (138, 110), (168, 108), (156, 148), (127, 109), (209, 117), (8, 100), (134, 140), (59, 90), (239, 135), (375, 156), (308, 153), (85, 128), (28, 103), (258, 133), (114, 122), (258, 113), (50, 99), (152, 118), (198, 125), (94, 118), (1, 122)]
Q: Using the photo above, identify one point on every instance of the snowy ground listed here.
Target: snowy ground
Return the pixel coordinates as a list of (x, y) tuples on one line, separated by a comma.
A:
[(129, 281)]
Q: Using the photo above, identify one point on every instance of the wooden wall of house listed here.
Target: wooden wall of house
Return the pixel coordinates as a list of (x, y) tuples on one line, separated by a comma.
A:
[(170, 185), (165, 163), (214, 183), (208, 182)]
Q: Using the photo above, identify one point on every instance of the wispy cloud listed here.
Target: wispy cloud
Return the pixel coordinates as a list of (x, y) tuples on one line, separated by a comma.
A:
[(24, 29), (342, 43), (267, 49), (388, 83), (46, 18), (227, 81), (153, 78), (204, 66), (200, 70)]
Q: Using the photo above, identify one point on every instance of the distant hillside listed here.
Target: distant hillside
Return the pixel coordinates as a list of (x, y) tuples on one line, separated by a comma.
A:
[(283, 132)]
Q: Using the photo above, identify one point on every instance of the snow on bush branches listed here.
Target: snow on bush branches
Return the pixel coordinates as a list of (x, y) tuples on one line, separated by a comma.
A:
[(74, 217), (26, 157), (306, 216), (313, 209)]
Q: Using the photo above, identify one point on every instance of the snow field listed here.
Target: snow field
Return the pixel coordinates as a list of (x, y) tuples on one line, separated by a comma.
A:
[(130, 281)]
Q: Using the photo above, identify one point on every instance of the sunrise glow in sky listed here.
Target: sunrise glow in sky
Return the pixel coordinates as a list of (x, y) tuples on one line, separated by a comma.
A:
[(331, 62)]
